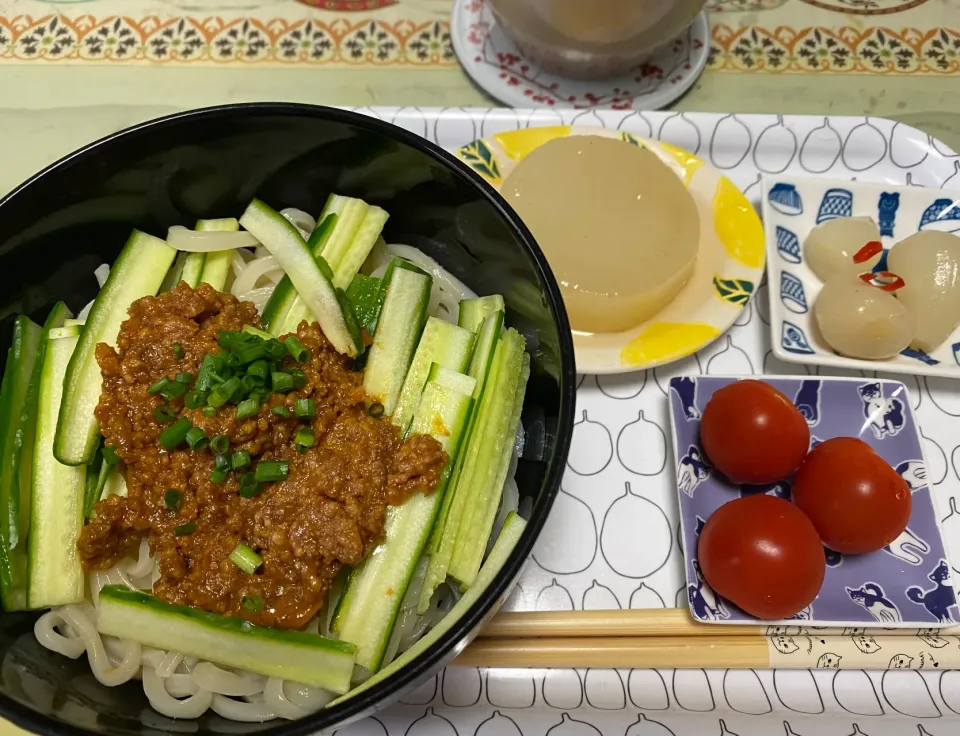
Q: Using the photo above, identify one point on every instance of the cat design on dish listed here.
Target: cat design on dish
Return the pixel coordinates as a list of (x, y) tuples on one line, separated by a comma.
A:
[(885, 415), (887, 207), (692, 472), (704, 602), (874, 601), (686, 390), (938, 600)]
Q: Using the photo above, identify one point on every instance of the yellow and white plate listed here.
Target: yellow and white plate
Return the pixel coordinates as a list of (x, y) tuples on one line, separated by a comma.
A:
[(729, 264)]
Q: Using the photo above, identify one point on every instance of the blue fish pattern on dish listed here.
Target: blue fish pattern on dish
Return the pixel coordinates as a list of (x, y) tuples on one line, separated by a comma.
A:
[(793, 340), (942, 215), (833, 558), (807, 401), (939, 599), (788, 245), (887, 207), (780, 489), (919, 355), (785, 199), (791, 293), (884, 414), (835, 203), (908, 547)]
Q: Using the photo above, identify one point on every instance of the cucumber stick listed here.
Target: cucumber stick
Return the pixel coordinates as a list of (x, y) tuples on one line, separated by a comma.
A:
[(284, 296), (399, 327), (215, 268), (334, 244), (366, 298), (186, 267), (284, 241), (459, 382), (495, 436), (138, 271), (506, 542), (362, 243), (368, 607), (445, 530), (441, 343), (474, 311), (292, 655), (16, 412), (54, 576)]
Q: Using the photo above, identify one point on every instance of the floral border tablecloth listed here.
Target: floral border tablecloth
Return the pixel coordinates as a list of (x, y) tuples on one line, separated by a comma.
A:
[(848, 36)]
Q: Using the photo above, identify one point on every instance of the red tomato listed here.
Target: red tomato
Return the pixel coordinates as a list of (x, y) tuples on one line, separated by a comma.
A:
[(856, 501), (753, 434), (763, 555)]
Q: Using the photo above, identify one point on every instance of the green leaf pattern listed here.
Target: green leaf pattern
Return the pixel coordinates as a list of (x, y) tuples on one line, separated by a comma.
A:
[(736, 292), (631, 139), (478, 156)]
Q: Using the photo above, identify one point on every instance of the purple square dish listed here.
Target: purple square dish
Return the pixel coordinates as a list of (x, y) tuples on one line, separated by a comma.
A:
[(906, 584)]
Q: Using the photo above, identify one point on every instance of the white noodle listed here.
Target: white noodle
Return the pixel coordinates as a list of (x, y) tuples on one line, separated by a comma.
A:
[(102, 272), (163, 702), (259, 297), (276, 700), (300, 220), (447, 291), (45, 629), (180, 686), (144, 564), (206, 241), (248, 277), (218, 680), (237, 710), (168, 665)]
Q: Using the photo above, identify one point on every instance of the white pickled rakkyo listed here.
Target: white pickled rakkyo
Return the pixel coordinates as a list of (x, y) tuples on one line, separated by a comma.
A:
[(831, 245), (859, 320), (929, 264)]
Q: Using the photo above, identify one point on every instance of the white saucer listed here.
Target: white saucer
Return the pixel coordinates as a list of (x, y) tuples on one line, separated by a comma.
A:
[(495, 63)]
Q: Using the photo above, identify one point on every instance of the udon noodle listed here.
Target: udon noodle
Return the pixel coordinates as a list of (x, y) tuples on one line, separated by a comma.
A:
[(177, 686)]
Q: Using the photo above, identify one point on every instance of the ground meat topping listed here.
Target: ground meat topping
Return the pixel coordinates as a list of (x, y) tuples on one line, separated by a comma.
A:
[(328, 512)]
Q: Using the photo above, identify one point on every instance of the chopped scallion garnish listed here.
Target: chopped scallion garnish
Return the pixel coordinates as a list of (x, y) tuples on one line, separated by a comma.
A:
[(157, 386), (109, 453), (173, 499), (209, 411), (218, 476), (247, 408), (240, 459), (281, 382), (296, 349), (189, 528), (245, 558), (305, 409), (178, 351), (249, 487), (375, 410), (304, 438), (252, 603), (220, 443), (184, 378), (164, 414), (174, 435), (282, 411), (196, 439), (299, 378), (271, 470)]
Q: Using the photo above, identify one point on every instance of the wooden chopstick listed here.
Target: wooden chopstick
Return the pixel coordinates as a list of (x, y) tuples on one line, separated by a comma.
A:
[(647, 622), (727, 652)]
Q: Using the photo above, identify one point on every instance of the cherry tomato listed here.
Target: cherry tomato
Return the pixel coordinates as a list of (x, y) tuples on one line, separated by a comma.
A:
[(753, 434), (763, 555), (856, 501)]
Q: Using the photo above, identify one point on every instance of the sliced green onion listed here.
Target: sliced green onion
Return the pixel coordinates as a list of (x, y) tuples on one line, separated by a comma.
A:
[(230, 338), (209, 411), (275, 350), (224, 392), (109, 454), (189, 528), (375, 410), (271, 470), (259, 369), (281, 382), (252, 603), (296, 349), (304, 438), (251, 330), (194, 400), (173, 499), (250, 354), (282, 411), (218, 476), (174, 435), (184, 378), (157, 386), (178, 351), (233, 360), (299, 378), (240, 459), (249, 487), (305, 409), (196, 439), (252, 383), (173, 390), (245, 558), (247, 408), (222, 462), (220, 443), (164, 414)]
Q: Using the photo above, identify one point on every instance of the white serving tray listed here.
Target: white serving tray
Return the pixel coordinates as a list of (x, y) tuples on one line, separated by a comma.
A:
[(588, 557)]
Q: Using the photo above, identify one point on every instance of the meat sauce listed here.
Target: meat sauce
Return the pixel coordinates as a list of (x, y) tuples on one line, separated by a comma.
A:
[(328, 512)]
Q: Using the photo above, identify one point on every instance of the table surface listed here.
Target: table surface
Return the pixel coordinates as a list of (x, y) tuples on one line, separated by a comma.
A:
[(72, 71)]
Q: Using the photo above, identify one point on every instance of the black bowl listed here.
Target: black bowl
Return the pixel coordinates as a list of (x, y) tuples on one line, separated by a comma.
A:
[(59, 226)]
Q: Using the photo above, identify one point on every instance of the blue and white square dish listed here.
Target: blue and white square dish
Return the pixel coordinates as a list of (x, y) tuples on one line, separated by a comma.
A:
[(792, 206), (906, 584)]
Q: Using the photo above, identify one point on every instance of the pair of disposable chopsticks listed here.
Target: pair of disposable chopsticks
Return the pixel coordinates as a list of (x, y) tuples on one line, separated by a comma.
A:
[(670, 638)]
